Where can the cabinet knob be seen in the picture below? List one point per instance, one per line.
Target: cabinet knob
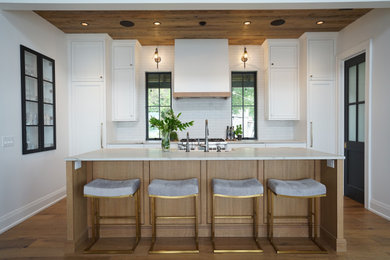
(101, 77)
(131, 64)
(272, 63)
(311, 76)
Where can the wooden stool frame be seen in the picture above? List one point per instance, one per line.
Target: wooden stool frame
(254, 217)
(95, 223)
(154, 220)
(311, 214)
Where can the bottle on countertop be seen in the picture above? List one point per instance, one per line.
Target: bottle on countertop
(227, 133)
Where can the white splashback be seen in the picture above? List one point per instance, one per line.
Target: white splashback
(216, 110)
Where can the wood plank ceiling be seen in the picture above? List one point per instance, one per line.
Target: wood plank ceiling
(220, 24)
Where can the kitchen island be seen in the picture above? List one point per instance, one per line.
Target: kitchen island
(240, 163)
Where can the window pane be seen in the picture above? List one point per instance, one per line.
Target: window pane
(352, 123)
(31, 113)
(361, 123)
(362, 80)
(237, 115)
(236, 80)
(236, 96)
(48, 114)
(49, 136)
(352, 84)
(31, 88)
(153, 98)
(249, 80)
(249, 122)
(165, 97)
(30, 64)
(47, 92)
(32, 137)
(153, 80)
(153, 112)
(249, 96)
(47, 70)
(165, 80)
(164, 110)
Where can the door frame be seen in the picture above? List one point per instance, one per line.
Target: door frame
(366, 47)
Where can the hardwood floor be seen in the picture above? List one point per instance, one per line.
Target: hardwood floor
(44, 235)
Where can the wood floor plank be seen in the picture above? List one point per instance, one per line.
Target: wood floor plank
(43, 236)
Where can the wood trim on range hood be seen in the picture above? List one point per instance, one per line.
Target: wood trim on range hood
(201, 94)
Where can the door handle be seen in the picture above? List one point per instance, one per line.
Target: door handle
(311, 134)
(101, 135)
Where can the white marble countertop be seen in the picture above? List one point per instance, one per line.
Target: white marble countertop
(156, 154)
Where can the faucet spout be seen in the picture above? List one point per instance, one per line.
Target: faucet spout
(206, 133)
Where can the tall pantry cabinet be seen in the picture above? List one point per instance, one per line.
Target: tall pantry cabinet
(89, 59)
(317, 76)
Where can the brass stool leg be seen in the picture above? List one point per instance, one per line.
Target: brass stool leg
(153, 220)
(196, 222)
(213, 222)
(137, 219)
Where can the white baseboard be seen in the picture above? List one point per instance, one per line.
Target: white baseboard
(380, 208)
(19, 215)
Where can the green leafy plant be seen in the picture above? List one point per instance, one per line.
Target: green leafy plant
(238, 130)
(169, 122)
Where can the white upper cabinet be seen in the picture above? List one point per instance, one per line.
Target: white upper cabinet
(87, 60)
(321, 59)
(281, 84)
(283, 56)
(124, 80)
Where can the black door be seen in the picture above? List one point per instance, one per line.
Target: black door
(354, 127)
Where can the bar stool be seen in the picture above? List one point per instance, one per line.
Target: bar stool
(237, 189)
(304, 189)
(173, 189)
(112, 189)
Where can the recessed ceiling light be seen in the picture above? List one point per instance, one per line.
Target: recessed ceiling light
(202, 23)
(84, 23)
(126, 23)
(247, 22)
(156, 23)
(320, 22)
(277, 22)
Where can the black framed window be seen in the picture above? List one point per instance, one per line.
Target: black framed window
(244, 103)
(38, 101)
(158, 99)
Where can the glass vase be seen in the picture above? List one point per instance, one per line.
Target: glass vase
(165, 141)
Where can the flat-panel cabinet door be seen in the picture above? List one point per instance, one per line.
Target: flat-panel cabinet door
(321, 59)
(322, 116)
(283, 57)
(123, 57)
(283, 95)
(87, 117)
(87, 61)
(123, 95)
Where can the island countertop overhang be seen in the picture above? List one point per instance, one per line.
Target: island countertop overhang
(154, 154)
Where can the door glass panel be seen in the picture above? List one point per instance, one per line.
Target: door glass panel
(48, 115)
(163, 111)
(31, 113)
(165, 97)
(32, 137)
(236, 80)
(30, 64)
(153, 97)
(362, 80)
(153, 112)
(31, 88)
(236, 116)
(249, 122)
(352, 123)
(47, 92)
(249, 96)
(352, 84)
(47, 70)
(49, 136)
(153, 80)
(361, 123)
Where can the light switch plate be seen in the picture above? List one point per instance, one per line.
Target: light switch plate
(330, 163)
(7, 141)
(77, 165)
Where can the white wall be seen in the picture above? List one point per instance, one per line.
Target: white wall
(29, 182)
(376, 26)
(216, 110)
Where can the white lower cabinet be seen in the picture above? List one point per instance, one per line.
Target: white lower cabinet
(87, 117)
(321, 117)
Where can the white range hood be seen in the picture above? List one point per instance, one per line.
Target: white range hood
(201, 68)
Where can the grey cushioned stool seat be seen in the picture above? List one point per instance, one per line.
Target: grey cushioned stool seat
(297, 188)
(173, 188)
(247, 187)
(111, 188)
